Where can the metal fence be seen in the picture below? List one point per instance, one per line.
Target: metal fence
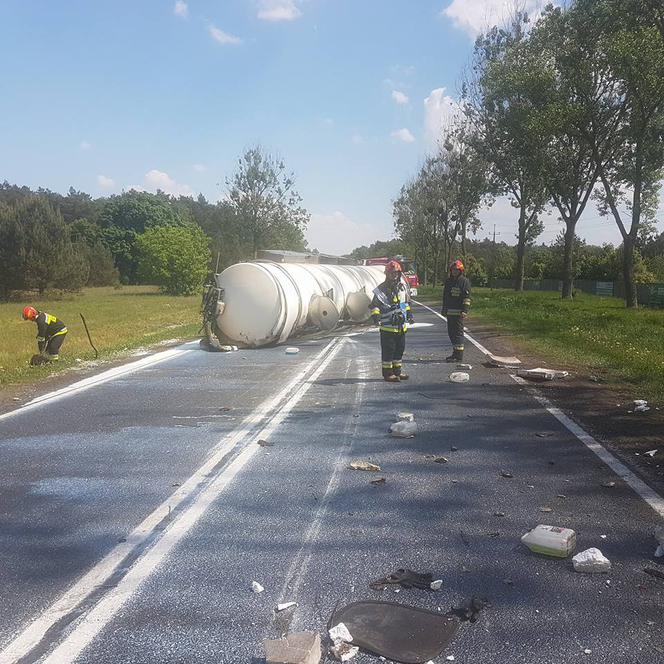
(649, 295)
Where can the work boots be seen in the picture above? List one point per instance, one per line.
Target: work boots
(456, 356)
(391, 378)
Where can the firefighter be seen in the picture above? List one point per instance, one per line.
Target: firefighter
(390, 310)
(456, 302)
(51, 333)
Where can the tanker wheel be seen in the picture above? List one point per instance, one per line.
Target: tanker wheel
(210, 341)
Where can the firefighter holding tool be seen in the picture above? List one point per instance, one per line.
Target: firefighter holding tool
(390, 310)
(51, 332)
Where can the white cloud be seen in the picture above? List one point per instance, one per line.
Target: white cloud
(105, 182)
(85, 146)
(439, 111)
(336, 233)
(403, 135)
(155, 179)
(200, 168)
(278, 10)
(223, 37)
(475, 16)
(181, 9)
(400, 97)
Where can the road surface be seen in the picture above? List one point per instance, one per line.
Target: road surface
(136, 510)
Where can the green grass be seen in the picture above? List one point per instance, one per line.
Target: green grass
(119, 320)
(591, 334)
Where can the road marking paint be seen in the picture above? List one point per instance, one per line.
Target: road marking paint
(298, 567)
(646, 492)
(30, 637)
(642, 489)
(98, 379)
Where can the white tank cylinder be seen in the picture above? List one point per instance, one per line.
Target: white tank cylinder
(266, 303)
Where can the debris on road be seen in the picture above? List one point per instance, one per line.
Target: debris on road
(440, 459)
(499, 513)
(541, 374)
(464, 367)
(546, 509)
(398, 632)
(406, 578)
(550, 540)
(506, 473)
(295, 648)
(608, 485)
(264, 443)
(544, 434)
(641, 406)
(659, 536)
(436, 585)
(285, 605)
(403, 429)
(454, 449)
(591, 561)
(651, 453)
(378, 481)
(292, 350)
(256, 587)
(340, 633)
(469, 610)
(459, 377)
(341, 639)
(654, 572)
(403, 416)
(364, 465)
(503, 362)
(344, 652)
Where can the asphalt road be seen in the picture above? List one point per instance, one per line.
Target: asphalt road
(134, 515)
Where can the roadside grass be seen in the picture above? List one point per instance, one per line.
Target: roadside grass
(119, 320)
(591, 334)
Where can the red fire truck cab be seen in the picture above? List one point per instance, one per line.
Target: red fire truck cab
(408, 266)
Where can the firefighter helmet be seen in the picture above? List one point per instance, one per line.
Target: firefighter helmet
(29, 313)
(393, 266)
(458, 264)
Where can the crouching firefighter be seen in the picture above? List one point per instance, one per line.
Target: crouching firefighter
(390, 310)
(51, 333)
(456, 303)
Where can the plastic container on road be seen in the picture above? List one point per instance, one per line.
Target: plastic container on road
(550, 541)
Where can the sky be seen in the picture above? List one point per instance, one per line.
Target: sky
(167, 94)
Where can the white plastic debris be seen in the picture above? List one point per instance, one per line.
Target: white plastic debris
(344, 652)
(465, 367)
(591, 561)
(285, 605)
(256, 587)
(436, 585)
(587, 651)
(503, 362)
(292, 350)
(228, 349)
(659, 536)
(541, 374)
(450, 658)
(459, 377)
(403, 416)
(550, 540)
(340, 633)
(403, 429)
(364, 465)
(651, 453)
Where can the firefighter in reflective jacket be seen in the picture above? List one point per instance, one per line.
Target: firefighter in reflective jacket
(456, 302)
(51, 333)
(390, 310)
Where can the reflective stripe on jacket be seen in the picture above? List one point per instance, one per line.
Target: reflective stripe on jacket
(456, 296)
(49, 326)
(390, 307)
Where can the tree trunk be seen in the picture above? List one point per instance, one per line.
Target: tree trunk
(568, 265)
(519, 270)
(463, 240)
(631, 300)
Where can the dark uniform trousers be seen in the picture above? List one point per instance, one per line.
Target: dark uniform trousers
(392, 346)
(455, 332)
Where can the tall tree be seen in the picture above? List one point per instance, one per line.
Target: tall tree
(12, 252)
(263, 196)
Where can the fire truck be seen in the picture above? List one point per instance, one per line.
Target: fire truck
(408, 266)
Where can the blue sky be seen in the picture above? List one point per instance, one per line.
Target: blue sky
(103, 96)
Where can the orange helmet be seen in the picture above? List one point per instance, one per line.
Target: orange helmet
(458, 265)
(29, 313)
(393, 266)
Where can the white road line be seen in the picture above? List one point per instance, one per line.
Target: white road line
(98, 379)
(642, 489)
(30, 637)
(473, 341)
(647, 493)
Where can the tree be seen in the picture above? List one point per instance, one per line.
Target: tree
(263, 196)
(12, 252)
(175, 258)
(501, 101)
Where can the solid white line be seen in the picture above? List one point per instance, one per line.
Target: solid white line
(642, 489)
(146, 564)
(98, 379)
(100, 573)
(473, 341)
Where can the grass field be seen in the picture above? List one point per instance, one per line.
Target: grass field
(119, 320)
(590, 333)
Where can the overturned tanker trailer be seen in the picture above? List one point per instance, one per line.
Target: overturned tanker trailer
(262, 303)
